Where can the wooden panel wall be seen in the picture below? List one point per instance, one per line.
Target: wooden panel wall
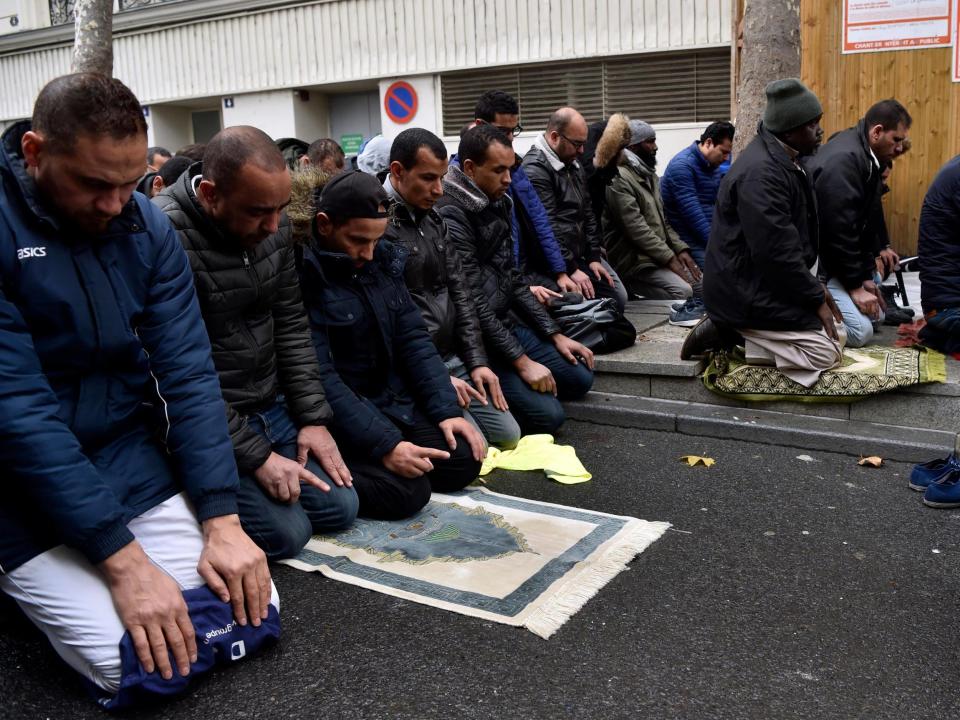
(848, 84)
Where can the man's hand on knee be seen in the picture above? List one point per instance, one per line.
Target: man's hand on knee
(235, 569)
(466, 392)
(866, 301)
(600, 273)
(458, 426)
(571, 350)
(535, 375)
(281, 478)
(829, 314)
(316, 440)
(152, 609)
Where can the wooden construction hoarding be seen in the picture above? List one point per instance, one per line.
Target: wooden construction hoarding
(847, 84)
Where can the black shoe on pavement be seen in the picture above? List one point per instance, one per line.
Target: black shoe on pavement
(896, 315)
(702, 338)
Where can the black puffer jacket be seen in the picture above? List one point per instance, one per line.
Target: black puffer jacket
(435, 277)
(566, 198)
(250, 300)
(763, 242)
(480, 230)
(846, 181)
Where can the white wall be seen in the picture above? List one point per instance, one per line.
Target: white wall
(169, 127)
(337, 41)
(272, 112)
(30, 14)
(281, 114)
(311, 118)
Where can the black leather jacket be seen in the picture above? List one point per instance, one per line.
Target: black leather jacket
(566, 198)
(847, 182)
(480, 230)
(435, 277)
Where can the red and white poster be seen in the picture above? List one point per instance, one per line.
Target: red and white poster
(874, 25)
(955, 28)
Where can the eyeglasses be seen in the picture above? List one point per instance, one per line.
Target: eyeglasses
(505, 130)
(577, 144)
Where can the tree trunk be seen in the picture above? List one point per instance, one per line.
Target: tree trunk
(770, 51)
(93, 43)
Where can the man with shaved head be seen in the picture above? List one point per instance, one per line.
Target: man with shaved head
(229, 213)
(553, 166)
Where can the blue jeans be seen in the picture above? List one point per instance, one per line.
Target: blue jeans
(282, 529)
(538, 412)
(859, 326)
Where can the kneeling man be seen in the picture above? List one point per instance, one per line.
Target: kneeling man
(120, 493)
(760, 278)
(396, 415)
(228, 212)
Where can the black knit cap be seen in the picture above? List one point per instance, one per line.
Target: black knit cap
(790, 104)
(353, 194)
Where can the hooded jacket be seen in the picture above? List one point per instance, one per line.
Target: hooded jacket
(763, 244)
(636, 231)
(94, 332)
(435, 277)
(689, 189)
(255, 319)
(564, 194)
(846, 181)
(480, 230)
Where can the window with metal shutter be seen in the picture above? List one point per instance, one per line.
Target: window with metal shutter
(689, 86)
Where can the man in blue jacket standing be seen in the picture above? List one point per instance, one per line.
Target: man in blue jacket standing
(689, 189)
(120, 492)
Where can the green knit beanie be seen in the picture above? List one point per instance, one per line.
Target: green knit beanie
(789, 105)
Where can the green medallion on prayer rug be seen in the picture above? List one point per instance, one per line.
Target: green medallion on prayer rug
(864, 371)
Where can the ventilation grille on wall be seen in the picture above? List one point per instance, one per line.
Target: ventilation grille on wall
(663, 87)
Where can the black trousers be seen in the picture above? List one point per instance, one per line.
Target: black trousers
(387, 496)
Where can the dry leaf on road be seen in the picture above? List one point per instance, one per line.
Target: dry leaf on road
(692, 460)
(872, 461)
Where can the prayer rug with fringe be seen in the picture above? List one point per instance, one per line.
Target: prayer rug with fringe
(513, 561)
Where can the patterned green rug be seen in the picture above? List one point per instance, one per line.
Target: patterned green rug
(865, 371)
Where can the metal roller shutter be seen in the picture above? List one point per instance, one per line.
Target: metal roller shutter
(662, 87)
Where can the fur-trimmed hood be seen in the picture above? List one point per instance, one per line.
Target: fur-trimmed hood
(305, 185)
(615, 138)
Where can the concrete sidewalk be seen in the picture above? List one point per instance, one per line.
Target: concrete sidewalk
(647, 386)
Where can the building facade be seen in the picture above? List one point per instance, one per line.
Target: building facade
(330, 68)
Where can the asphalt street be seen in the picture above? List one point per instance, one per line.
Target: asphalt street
(787, 589)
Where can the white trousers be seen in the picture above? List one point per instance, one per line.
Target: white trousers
(69, 600)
